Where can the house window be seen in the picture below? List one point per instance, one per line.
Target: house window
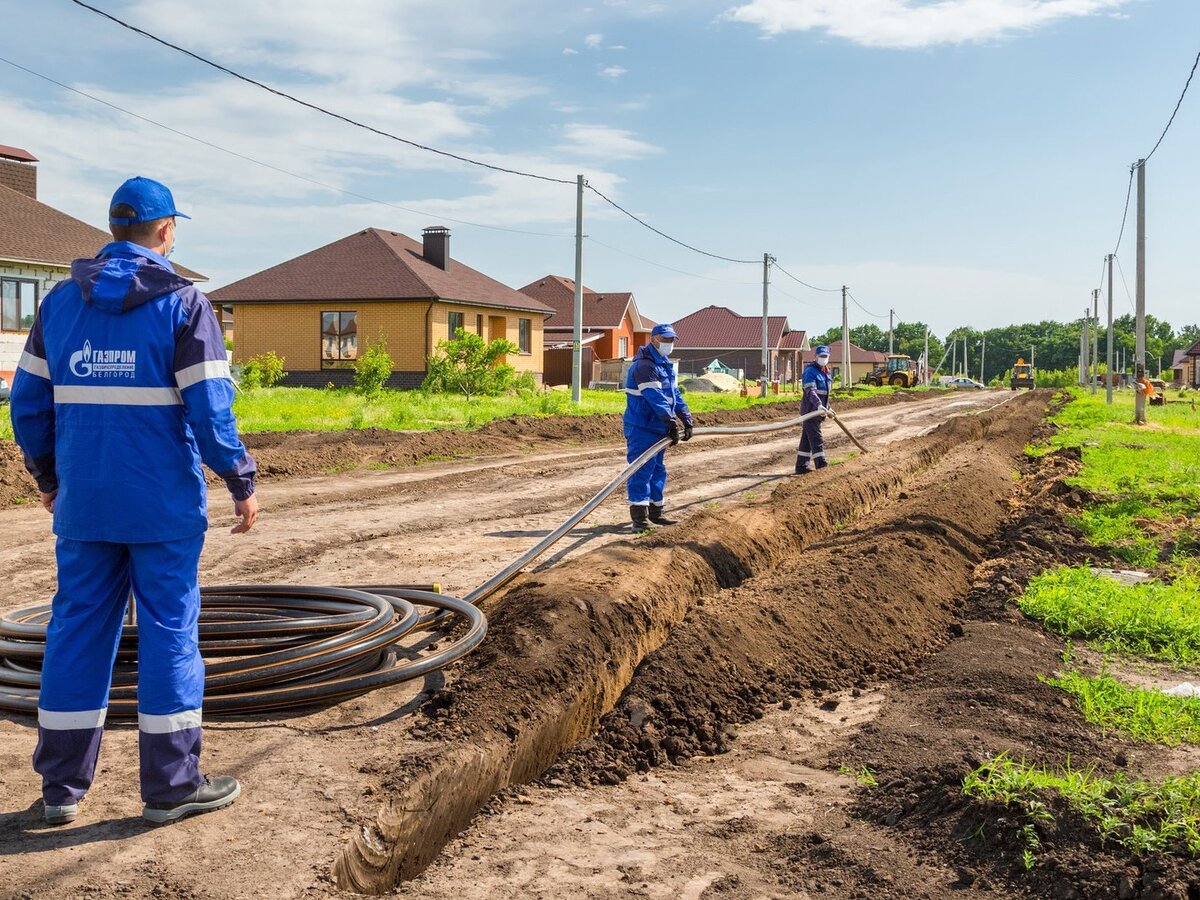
(524, 339)
(479, 324)
(454, 321)
(339, 339)
(622, 347)
(18, 304)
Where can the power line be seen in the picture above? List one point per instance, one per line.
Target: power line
(1125, 214)
(313, 106)
(776, 289)
(863, 308)
(663, 266)
(646, 224)
(267, 165)
(1178, 103)
(1128, 296)
(805, 283)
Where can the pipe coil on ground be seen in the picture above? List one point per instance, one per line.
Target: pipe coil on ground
(273, 647)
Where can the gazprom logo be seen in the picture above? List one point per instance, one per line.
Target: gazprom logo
(88, 363)
(81, 361)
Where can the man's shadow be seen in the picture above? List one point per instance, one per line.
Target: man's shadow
(25, 831)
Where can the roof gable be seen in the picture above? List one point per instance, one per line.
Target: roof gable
(373, 264)
(720, 328)
(857, 355)
(599, 310)
(31, 231)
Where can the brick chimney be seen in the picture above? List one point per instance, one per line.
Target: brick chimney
(436, 246)
(18, 170)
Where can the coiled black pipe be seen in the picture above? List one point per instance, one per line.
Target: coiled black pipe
(275, 647)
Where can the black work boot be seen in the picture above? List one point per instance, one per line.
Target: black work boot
(216, 792)
(639, 516)
(657, 517)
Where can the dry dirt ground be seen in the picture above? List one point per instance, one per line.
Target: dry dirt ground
(749, 822)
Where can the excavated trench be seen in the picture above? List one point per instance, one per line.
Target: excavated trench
(653, 649)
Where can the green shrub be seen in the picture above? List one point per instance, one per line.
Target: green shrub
(372, 369)
(469, 366)
(264, 370)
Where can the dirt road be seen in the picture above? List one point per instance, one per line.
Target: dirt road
(311, 779)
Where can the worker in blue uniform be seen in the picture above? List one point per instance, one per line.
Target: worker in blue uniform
(122, 390)
(653, 403)
(815, 384)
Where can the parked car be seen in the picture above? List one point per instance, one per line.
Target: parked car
(3, 390)
(963, 382)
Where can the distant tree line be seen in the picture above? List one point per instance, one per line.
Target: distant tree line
(1055, 345)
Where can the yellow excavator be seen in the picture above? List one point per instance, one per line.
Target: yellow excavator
(900, 371)
(1022, 375)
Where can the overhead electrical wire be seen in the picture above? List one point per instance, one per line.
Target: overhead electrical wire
(316, 107)
(811, 287)
(272, 167)
(1178, 103)
(387, 134)
(1124, 284)
(863, 308)
(651, 262)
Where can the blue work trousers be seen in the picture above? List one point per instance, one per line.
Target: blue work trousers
(812, 446)
(646, 485)
(94, 581)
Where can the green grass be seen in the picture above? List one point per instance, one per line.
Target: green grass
(863, 775)
(1157, 619)
(1142, 715)
(1141, 817)
(1145, 479)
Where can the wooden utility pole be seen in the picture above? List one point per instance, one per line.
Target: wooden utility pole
(577, 330)
(1108, 354)
(845, 340)
(1139, 361)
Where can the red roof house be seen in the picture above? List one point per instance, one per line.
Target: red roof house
(717, 333)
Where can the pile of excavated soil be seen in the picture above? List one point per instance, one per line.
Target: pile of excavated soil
(305, 453)
(563, 647)
(869, 602)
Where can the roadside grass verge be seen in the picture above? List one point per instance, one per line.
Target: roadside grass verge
(1156, 619)
(1140, 816)
(1146, 716)
(1145, 479)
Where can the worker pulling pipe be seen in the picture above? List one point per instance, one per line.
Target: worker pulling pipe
(287, 646)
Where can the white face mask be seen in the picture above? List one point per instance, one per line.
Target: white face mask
(822, 360)
(666, 347)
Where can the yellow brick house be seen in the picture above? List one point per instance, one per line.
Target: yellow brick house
(320, 309)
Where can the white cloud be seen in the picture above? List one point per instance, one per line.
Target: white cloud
(618, 47)
(613, 72)
(599, 142)
(592, 41)
(570, 51)
(908, 24)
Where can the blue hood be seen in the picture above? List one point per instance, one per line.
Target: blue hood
(124, 276)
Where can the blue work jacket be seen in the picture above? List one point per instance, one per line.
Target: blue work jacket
(815, 384)
(122, 390)
(652, 398)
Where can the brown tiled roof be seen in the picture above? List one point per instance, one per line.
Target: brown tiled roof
(599, 310)
(16, 153)
(857, 355)
(31, 231)
(793, 340)
(1179, 359)
(373, 264)
(720, 328)
(1194, 350)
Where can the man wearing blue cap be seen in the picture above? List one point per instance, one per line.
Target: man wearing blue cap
(122, 391)
(815, 384)
(652, 404)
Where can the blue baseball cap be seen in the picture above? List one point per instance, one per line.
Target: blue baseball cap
(822, 350)
(663, 331)
(149, 200)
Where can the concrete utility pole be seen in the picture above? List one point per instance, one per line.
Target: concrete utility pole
(925, 380)
(577, 331)
(982, 357)
(891, 331)
(766, 353)
(1139, 397)
(845, 340)
(954, 355)
(1083, 347)
(1095, 338)
(1108, 353)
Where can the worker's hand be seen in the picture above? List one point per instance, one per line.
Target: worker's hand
(687, 431)
(48, 500)
(673, 432)
(247, 511)
(829, 412)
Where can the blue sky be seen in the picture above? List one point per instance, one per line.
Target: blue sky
(963, 162)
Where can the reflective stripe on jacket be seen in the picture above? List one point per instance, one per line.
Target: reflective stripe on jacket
(652, 399)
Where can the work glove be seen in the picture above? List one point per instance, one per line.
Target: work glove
(687, 431)
(673, 432)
